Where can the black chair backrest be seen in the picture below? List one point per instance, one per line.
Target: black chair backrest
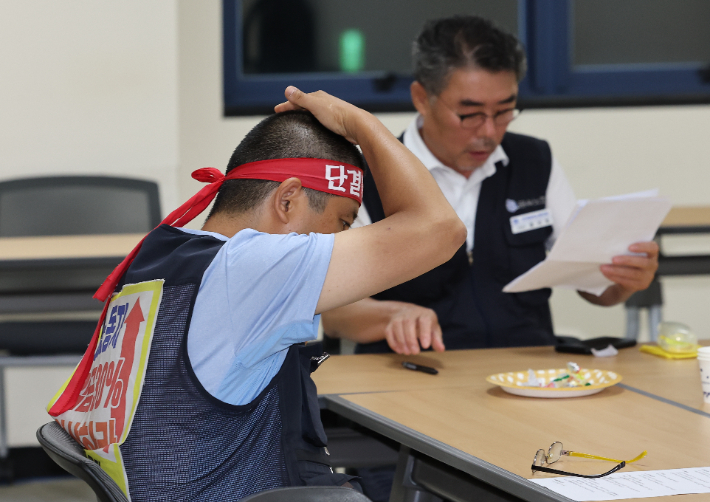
(69, 455)
(72, 205)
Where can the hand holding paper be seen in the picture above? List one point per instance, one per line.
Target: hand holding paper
(597, 231)
(635, 271)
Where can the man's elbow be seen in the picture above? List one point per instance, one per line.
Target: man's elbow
(459, 232)
(331, 323)
(453, 235)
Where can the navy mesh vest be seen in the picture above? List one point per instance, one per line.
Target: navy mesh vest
(185, 444)
(467, 296)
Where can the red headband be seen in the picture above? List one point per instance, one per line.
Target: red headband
(327, 176)
(323, 175)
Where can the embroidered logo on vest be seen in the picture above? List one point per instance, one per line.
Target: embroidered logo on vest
(516, 205)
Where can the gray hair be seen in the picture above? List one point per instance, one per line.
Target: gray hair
(463, 41)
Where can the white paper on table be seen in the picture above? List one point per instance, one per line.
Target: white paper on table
(627, 485)
(596, 231)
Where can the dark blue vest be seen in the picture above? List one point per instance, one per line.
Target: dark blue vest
(185, 444)
(466, 292)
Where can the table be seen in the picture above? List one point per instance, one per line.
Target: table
(680, 220)
(686, 219)
(53, 274)
(463, 438)
(72, 263)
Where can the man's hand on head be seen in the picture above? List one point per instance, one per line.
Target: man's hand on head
(340, 117)
(630, 273)
(411, 327)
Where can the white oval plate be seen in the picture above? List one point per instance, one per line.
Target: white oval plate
(513, 382)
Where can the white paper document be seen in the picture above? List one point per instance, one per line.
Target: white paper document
(596, 231)
(629, 485)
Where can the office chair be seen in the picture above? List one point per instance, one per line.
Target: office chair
(50, 206)
(77, 205)
(650, 299)
(69, 455)
(64, 205)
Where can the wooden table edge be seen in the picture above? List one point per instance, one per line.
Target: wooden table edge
(464, 462)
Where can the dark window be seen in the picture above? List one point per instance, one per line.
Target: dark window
(640, 32)
(343, 36)
(580, 52)
(358, 50)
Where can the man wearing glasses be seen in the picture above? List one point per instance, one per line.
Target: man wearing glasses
(466, 87)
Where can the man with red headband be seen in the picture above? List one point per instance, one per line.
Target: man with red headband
(197, 382)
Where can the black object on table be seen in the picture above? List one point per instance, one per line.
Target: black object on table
(574, 345)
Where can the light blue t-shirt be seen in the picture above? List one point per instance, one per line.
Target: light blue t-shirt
(257, 298)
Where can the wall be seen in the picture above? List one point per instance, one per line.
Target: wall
(86, 88)
(89, 87)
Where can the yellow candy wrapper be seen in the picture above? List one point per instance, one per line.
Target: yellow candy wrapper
(658, 351)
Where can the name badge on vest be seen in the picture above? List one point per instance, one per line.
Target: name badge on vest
(530, 221)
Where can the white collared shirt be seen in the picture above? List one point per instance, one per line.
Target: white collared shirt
(462, 193)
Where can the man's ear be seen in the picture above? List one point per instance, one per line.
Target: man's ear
(287, 197)
(420, 98)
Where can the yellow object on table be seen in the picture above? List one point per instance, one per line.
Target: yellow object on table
(658, 351)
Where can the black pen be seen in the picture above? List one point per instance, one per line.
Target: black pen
(419, 367)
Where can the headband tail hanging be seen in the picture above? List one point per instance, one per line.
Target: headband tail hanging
(181, 216)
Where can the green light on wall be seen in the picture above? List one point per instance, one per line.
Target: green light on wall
(352, 51)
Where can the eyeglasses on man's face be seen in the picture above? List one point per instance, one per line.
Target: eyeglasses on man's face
(556, 452)
(476, 120)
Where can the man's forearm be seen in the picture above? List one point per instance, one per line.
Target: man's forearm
(408, 190)
(630, 273)
(613, 295)
(362, 322)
